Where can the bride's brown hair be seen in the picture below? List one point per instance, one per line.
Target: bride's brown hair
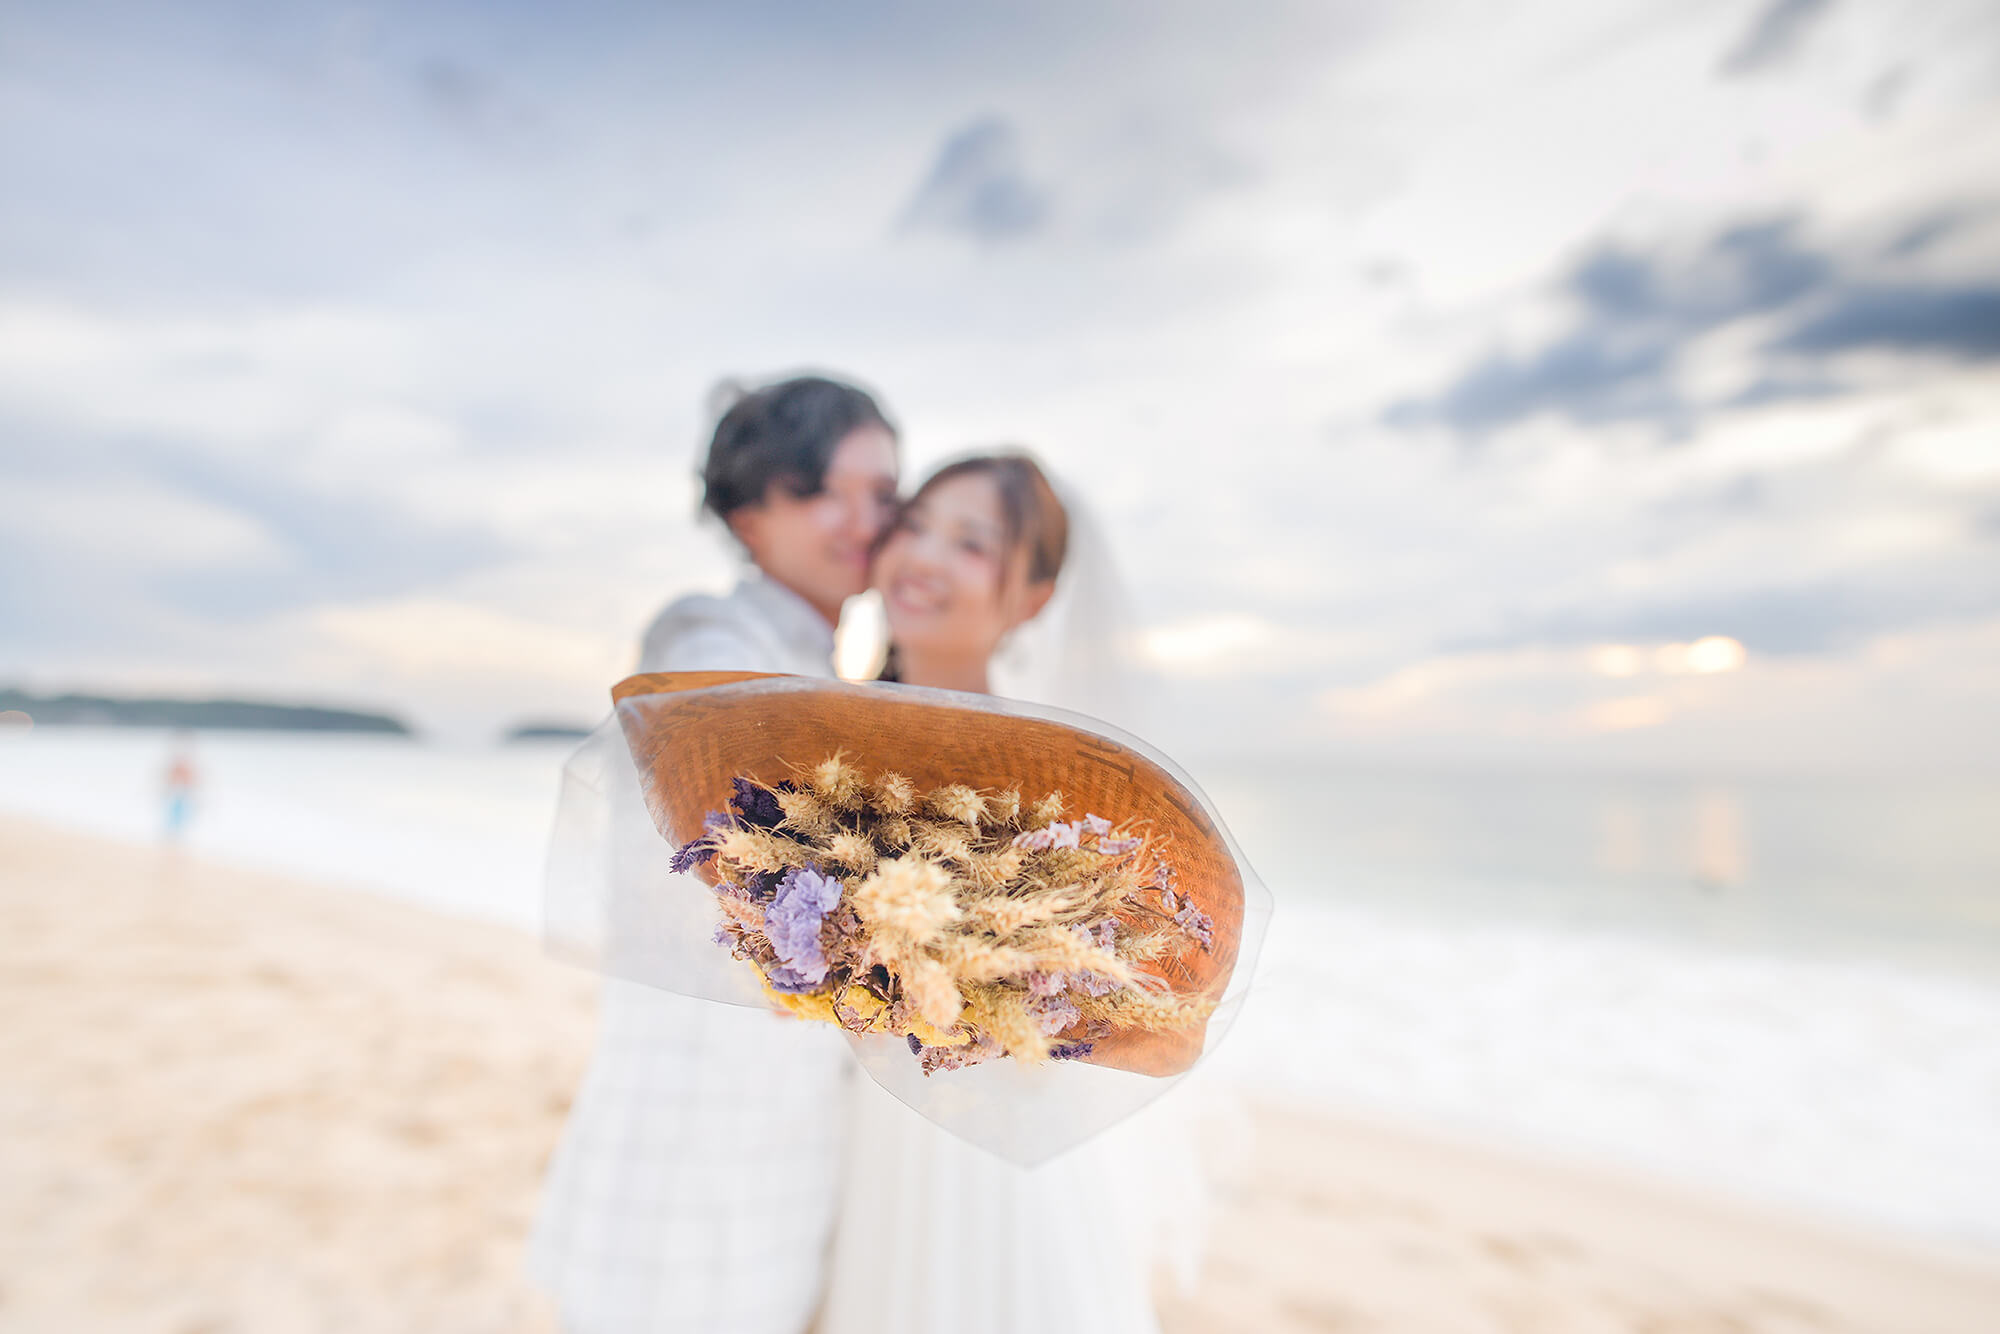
(1035, 518)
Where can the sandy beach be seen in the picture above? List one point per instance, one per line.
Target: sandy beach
(234, 1101)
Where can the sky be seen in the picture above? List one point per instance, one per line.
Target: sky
(1523, 384)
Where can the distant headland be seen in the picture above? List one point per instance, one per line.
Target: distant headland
(217, 714)
(539, 730)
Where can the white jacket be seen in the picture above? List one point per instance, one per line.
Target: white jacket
(695, 1185)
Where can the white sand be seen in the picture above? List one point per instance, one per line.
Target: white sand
(236, 1102)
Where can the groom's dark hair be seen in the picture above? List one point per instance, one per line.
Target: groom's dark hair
(781, 435)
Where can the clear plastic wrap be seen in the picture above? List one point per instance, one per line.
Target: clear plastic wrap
(642, 785)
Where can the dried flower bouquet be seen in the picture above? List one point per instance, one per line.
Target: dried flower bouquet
(972, 923)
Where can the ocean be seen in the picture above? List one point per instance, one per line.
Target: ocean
(1787, 990)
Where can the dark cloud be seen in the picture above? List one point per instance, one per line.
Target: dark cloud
(1774, 35)
(1786, 387)
(472, 101)
(976, 187)
(1587, 377)
(1928, 230)
(1637, 314)
(1962, 322)
(1821, 616)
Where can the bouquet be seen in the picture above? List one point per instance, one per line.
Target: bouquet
(969, 922)
(1039, 905)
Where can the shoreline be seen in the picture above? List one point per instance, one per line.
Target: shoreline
(239, 1100)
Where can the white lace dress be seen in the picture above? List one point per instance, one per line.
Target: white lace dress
(696, 1182)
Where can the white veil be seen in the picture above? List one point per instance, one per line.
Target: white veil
(1080, 652)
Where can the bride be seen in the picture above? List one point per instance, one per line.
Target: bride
(934, 1234)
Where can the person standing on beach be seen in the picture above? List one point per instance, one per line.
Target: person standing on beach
(177, 789)
(643, 1225)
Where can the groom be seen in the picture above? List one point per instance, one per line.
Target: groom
(803, 474)
(695, 1185)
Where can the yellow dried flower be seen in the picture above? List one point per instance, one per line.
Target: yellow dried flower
(1005, 915)
(1118, 878)
(1046, 811)
(893, 794)
(1003, 808)
(996, 870)
(863, 1008)
(760, 850)
(943, 843)
(744, 913)
(907, 900)
(932, 1036)
(1156, 1012)
(1061, 950)
(1150, 946)
(957, 802)
(805, 811)
(1003, 1015)
(851, 850)
(930, 988)
(972, 960)
(807, 1005)
(838, 782)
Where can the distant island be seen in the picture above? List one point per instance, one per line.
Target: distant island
(214, 714)
(545, 731)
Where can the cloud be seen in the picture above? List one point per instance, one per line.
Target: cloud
(1636, 313)
(426, 636)
(1774, 35)
(1241, 644)
(977, 188)
(1817, 616)
(1930, 229)
(1637, 316)
(150, 520)
(1962, 322)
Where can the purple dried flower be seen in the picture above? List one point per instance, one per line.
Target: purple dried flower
(757, 805)
(1056, 1014)
(957, 1058)
(1118, 847)
(1196, 923)
(1096, 824)
(1043, 985)
(793, 981)
(792, 922)
(698, 850)
(1093, 984)
(691, 854)
(1071, 1051)
(916, 1045)
(1107, 934)
(761, 885)
(1062, 834)
(1168, 901)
